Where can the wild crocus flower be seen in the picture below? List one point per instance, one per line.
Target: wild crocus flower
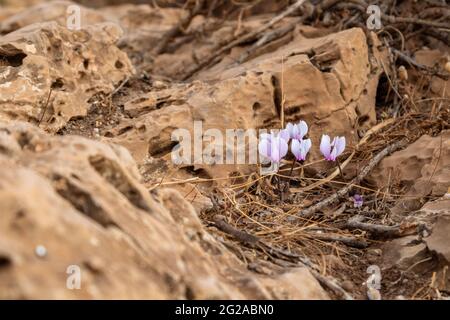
(300, 148)
(273, 146)
(332, 150)
(297, 131)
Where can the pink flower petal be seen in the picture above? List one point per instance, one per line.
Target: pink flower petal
(296, 148)
(283, 147)
(307, 145)
(325, 146)
(264, 148)
(284, 134)
(290, 129)
(339, 146)
(302, 128)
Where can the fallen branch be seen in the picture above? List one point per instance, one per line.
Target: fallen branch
(414, 63)
(393, 19)
(241, 236)
(382, 231)
(441, 36)
(362, 6)
(310, 211)
(254, 242)
(348, 241)
(162, 45)
(331, 284)
(245, 38)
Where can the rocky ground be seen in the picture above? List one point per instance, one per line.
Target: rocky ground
(87, 178)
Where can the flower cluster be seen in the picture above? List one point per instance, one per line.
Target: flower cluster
(275, 146)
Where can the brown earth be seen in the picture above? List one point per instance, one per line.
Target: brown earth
(87, 119)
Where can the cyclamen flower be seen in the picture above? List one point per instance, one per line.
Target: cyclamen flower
(332, 150)
(297, 131)
(274, 146)
(300, 148)
(284, 133)
(357, 201)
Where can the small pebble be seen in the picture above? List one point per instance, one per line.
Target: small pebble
(376, 252)
(159, 84)
(447, 66)
(96, 133)
(402, 73)
(40, 251)
(348, 285)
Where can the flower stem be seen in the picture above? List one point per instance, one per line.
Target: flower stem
(340, 169)
(292, 167)
(279, 188)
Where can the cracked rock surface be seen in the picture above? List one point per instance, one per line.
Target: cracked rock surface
(126, 238)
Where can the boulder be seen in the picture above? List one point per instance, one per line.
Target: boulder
(74, 209)
(52, 11)
(404, 252)
(423, 168)
(329, 81)
(49, 74)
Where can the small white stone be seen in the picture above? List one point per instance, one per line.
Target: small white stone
(159, 84)
(447, 66)
(30, 48)
(40, 251)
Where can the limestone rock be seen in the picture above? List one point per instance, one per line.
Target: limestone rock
(423, 168)
(403, 252)
(439, 240)
(56, 11)
(49, 63)
(81, 202)
(143, 25)
(437, 216)
(326, 81)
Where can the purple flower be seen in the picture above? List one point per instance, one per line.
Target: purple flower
(297, 131)
(273, 146)
(300, 148)
(332, 150)
(357, 201)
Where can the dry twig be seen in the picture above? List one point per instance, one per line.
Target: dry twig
(309, 212)
(382, 231)
(255, 242)
(162, 45)
(46, 106)
(245, 38)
